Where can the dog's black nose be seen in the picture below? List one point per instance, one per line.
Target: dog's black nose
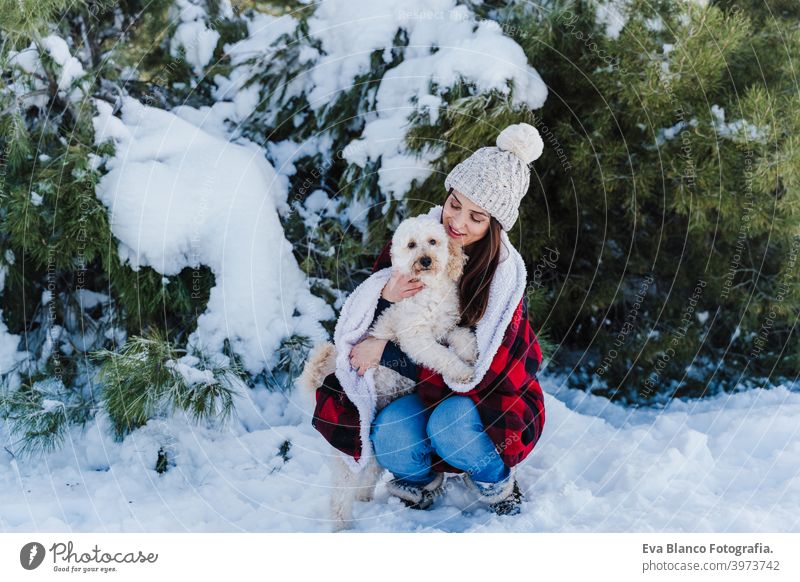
(425, 262)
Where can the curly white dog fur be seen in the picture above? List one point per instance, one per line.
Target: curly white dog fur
(419, 325)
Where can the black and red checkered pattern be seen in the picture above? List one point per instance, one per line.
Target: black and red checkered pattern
(509, 398)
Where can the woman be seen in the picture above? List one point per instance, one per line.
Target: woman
(486, 427)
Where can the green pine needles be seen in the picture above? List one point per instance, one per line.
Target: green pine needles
(39, 414)
(148, 377)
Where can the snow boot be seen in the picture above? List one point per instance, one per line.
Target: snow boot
(504, 497)
(417, 496)
(511, 505)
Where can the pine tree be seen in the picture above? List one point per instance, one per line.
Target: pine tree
(148, 378)
(661, 218)
(64, 291)
(659, 230)
(338, 213)
(669, 188)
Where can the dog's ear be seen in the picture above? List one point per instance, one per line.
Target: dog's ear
(456, 259)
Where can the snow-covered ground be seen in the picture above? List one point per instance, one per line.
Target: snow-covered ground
(184, 189)
(725, 464)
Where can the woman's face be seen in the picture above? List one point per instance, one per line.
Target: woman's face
(464, 220)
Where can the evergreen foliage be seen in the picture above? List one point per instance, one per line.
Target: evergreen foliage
(40, 414)
(660, 230)
(65, 290)
(670, 154)
(146, 378)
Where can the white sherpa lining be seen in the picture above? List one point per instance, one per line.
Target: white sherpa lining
(357, 314)
(354, 321)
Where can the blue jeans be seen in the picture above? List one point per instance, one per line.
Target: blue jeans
(405, 434)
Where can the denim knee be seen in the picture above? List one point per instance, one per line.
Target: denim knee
(454, 425)
(457, 434)
(400, 440)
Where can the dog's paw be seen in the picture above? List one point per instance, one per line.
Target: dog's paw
(456, 379)
(465, 347)
(459, 374)
(470, 353)
(466, 356)
(365, 496)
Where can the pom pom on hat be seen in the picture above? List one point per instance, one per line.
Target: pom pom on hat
(522, 140)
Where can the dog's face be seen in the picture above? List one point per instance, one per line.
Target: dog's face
(421, 247)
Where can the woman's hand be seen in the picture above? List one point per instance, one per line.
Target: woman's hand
(366, 354)
(401, 285)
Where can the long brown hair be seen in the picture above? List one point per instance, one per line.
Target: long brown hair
(473, 288)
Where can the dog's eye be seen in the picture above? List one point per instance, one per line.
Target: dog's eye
(433, 242)
(412, 244)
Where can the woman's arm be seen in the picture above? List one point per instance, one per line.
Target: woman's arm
(392, 356)
(371, 352)
(396, 359)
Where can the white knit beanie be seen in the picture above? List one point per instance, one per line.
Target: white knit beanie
(496, 178)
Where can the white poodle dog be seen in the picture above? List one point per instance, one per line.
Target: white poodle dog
(420, 325)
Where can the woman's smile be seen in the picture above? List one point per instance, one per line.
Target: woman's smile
(464, 220)
(453, 233)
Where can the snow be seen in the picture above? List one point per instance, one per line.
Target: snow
(29, 76)
(193, 35)
(665, 134)
(283, 153)
(71, 67)
(51, 405)
(180, 197)
(612, 15)
(234, 100)
(468, 51)
(189, 372)
(739, 130)
(724, 464)
(9, 355)
(263, 30)
(90, 299)
(314, 208)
